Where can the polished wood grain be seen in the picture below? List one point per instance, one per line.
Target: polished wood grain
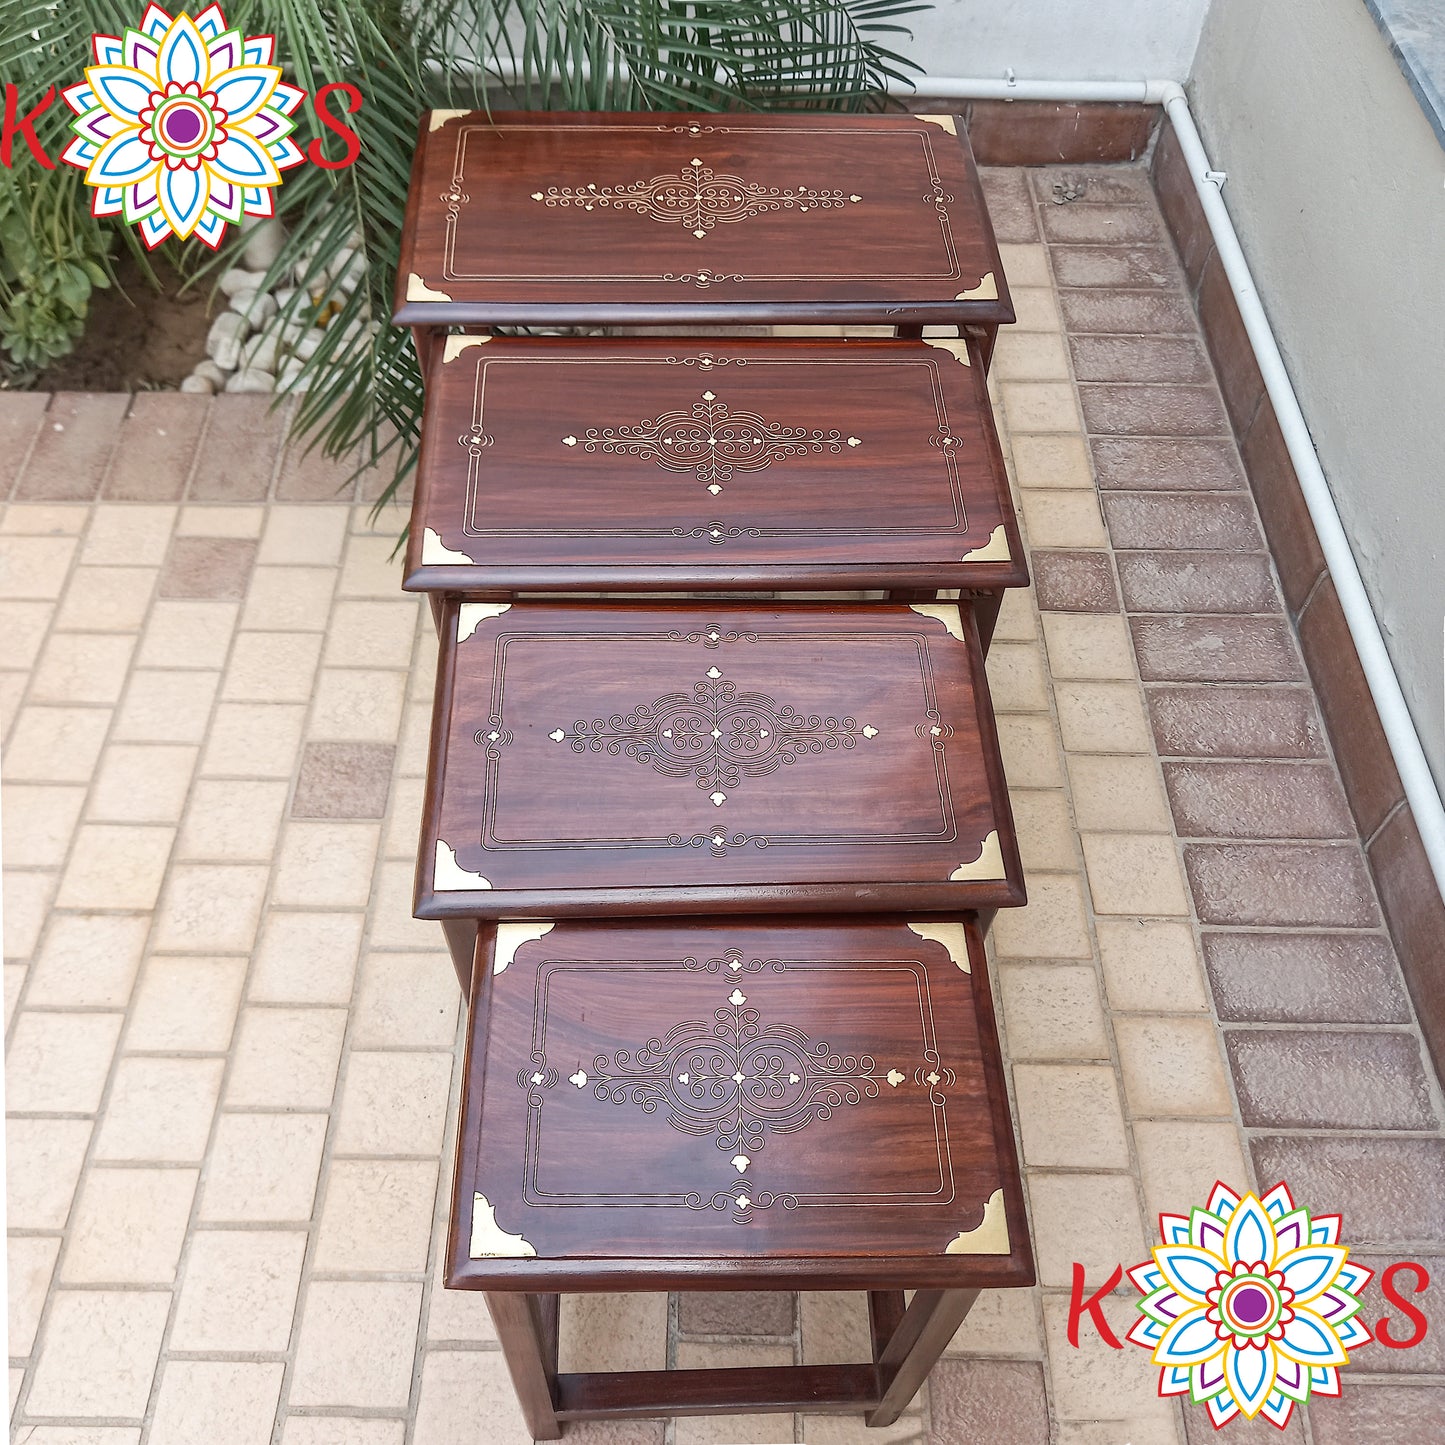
(557, 218)
(727, 465)
(735, 1103)
(622, 758)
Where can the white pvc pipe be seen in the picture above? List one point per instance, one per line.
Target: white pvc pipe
(1415, 775)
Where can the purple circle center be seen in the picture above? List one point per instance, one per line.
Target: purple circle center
(1249, 1305)
(182, 126)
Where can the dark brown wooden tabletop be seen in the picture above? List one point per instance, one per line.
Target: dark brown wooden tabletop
(682, 465)
(737, 1101)
(553, 217)
(612, 758)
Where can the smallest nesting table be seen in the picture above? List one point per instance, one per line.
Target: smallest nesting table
(734, 1104)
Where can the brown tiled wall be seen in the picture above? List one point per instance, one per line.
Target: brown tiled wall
(1413, 909)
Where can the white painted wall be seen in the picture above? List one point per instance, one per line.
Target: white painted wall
(1058, 39)
(1337, 188)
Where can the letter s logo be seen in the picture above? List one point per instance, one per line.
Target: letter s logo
(314, 152)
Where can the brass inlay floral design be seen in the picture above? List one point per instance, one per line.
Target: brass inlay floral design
(736, 1079)
(697, 198)
(711, 440)
(715, 734)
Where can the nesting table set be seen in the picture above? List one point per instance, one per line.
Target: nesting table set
(715, 850)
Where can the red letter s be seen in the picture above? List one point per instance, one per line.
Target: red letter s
(1387, 1288)
(23, 125)
(314, 153)
(1078, 1304)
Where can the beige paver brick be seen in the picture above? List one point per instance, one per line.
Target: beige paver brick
(57, 1063)
(1118, 793)
(834, 1327)
(115, 866)
(286, 1058)
(392, 925)
(37, 822)
(128, 536)
(55, 744)
(415, 742)
(12, 694)
(1030, 750)
(1030, 356)
(357, 705)
(372, 634)
(1001, 1322)
(239, 1291)
(272, 667)
(254, 740)
(142, 783)
(43, 1162)
(210, 906)
(99, 1354)
(1016, 678)
(1084, 644)
(372, 568)
(326, 865)
(1172, 1067)
(30, 1263)
(1180, 1161)
(289, 599)
(128, 1227)
(1134, 873)
(1040, 406)
(1052, 1011)
(82, 667)
(306, 957)
(613, 1332)
(1151, 965)
(263, 1168)
(456, 1315)
(357, 1342)
(458, 1389)
(23, 625)
(188, 635)
(1035, 309)
(166, 707)
(40, 519)
(1102, 717)
(1026, 265)
(186, 1005)
(303, 536)
(1054, 924)
(394, 1103)
(1093, 1219)
(341, 1430)
(106, 599)
(159, 1110)
(1045, 830)
(399, 836)
(27, 899)
(220, 521)
(1095, 1382)
(232, 821)
(220, 1402)
(377, 1216)
(1069, 1116)
(34, 567)
(1063, 518)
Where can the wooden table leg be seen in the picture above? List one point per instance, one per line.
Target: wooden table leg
(986, 607)
(461, 935)
(523, 1334)
(928, 1324)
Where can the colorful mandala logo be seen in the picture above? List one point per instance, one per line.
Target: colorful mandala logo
(184, 126)
(1249, 1305)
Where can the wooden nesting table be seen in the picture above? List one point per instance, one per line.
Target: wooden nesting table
(729, 1104)
(601, 759)
(556, 465)
(563, 219)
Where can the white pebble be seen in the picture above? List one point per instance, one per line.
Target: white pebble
(252, 379)
(223, 341)
(264, 239)
(256, 306)
(292, 377)
(236, 280)
(260, 353)
(207, 370)
(200, 384)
